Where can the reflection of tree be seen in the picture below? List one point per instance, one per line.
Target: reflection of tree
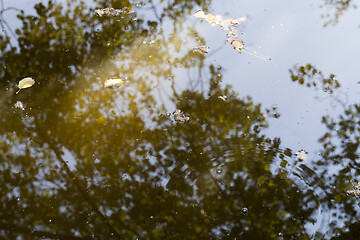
(83, 162)
(311, 77)
(339, 6)
(338, 167)
(340, 151)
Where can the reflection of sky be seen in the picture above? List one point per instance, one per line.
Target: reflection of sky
(289, 33)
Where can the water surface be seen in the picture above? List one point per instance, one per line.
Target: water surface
(261, 144)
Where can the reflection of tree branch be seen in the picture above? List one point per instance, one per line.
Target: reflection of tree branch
(340, 7)
(41, 234)
(3, 22)
(159, 92)
(155, 12)
(85, 194)
(9, 8)
(338, 100)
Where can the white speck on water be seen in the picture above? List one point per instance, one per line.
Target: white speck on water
(20, 105)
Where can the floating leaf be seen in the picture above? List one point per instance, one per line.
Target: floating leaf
(238, 45)
(113, 82)
(25, 83)
(202, 49)
(112, 12)
(302, 154)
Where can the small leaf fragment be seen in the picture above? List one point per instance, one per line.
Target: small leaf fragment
(25, 83)
(20, 105)
(180, 116)
(202, 49)
(222, 97)
(301, 154)
(353, 189)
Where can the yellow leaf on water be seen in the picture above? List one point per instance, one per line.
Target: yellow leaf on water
(25, 83)
(113, 82)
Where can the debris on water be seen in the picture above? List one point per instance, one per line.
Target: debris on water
(244, 210)
(112, 12)
(238, 45)
(202, 49)
(217, 20)
(223, 97)
(20, 105)
(25, 83)
(355, 189)
(354, 192)
(232, 35)
(180, 116)
(113, 82)
(301, 154)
